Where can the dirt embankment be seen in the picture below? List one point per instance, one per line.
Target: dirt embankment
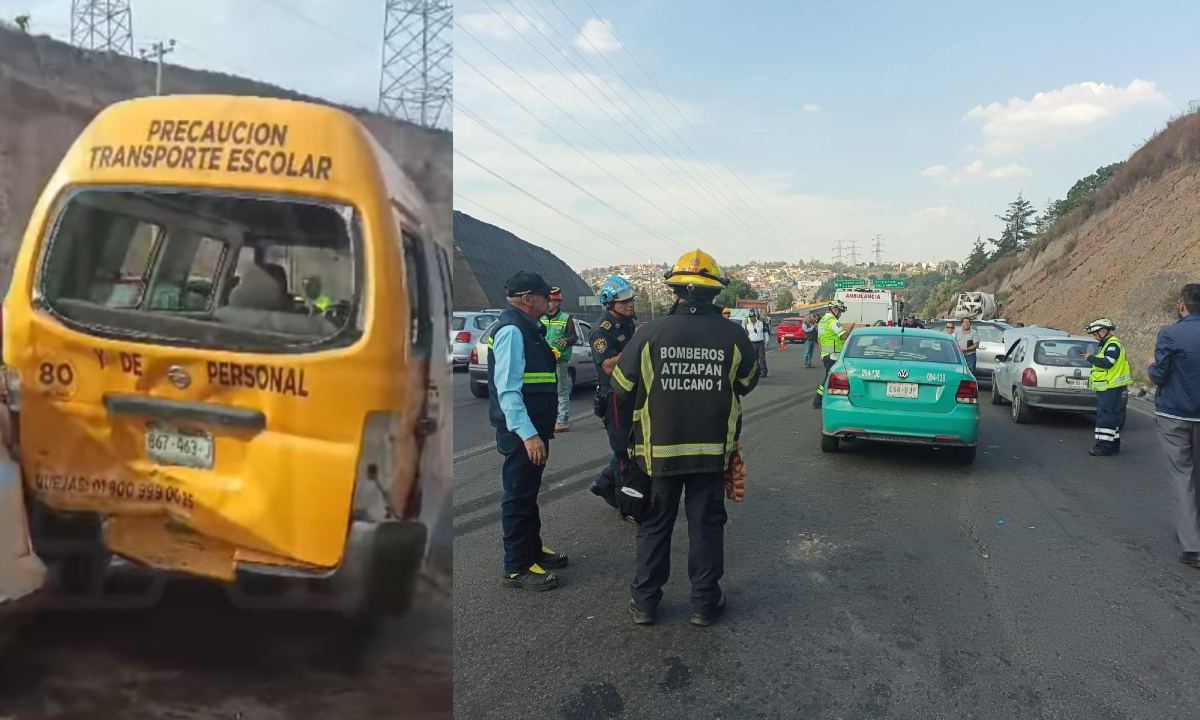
(1126, 262)
(49, 91)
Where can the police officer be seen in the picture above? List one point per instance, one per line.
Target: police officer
(684, 374)
(523, 402)
(1110, 376)
(608, 339)
(561, 335)
(832, 336)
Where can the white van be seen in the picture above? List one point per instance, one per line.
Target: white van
(867, 306)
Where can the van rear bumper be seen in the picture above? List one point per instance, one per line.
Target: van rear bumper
(378, 574)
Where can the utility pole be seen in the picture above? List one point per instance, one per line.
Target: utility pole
(158, 50)
(416, 78)
(104, 25)
(838, 247)
(878, 249)
(853, 253)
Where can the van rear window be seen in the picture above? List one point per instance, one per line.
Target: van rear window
(201, 269)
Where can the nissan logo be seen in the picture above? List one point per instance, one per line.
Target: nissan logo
(179, 377)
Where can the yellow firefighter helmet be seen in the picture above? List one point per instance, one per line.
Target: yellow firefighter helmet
(697, 268)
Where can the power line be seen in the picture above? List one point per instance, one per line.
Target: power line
(704, 140)
(570, 144)
(658, 156)
(502, 135)
(550, 207)
(324, 27)
(651, 108)
(516, 223)
(565, 113)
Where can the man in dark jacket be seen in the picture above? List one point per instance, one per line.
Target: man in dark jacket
(683, 375)
(1176, 373)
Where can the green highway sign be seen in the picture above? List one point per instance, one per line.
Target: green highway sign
(849, 283)
(890, 283)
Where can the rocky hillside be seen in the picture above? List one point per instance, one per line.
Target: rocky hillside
(1125, 255)
(49, 91)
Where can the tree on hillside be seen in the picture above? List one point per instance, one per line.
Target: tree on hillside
(23, 23)
(1018, 228)
(785, 300)
(977, 260)
(737, 289)
(1079, 194)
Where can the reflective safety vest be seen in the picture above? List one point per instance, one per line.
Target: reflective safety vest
(831, 341)
(1117, 376)
(539, 385)
(556, 329)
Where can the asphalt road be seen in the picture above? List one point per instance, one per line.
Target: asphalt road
(194, 657)
(876, 582)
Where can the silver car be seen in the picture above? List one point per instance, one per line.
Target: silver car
(991, 344)
(1046, 370)
(465, 330)
(581, 367)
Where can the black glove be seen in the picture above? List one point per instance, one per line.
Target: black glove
(633, 497)
(600, 403)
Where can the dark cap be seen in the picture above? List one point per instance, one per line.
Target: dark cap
(524, 283)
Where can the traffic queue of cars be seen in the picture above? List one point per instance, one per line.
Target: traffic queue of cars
(913, 386)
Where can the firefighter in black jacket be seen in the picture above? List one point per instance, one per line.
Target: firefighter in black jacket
(683, 375)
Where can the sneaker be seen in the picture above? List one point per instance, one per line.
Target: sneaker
(561, 427)
(641, 617)
(535, 578)
(704, 619)
(552, 560)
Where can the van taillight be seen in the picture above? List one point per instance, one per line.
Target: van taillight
(839, 384)
(968, 392)
(1029, 378)
(462, 337)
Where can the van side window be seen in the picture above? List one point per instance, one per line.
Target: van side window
(420, 312)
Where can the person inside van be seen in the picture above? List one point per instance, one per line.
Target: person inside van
(316, 302)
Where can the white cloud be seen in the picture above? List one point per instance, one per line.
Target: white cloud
(597, 37)
(811, 108)
(941, 212)
(974, 170)
(499, 25)
(1007, 171)
(1054, 114)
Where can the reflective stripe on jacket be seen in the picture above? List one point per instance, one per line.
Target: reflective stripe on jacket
(1119, 375)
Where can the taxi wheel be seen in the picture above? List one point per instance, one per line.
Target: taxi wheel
(965, 455)
(479, 390)
(829, 443)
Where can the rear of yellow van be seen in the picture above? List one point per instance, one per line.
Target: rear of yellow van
(206, 342)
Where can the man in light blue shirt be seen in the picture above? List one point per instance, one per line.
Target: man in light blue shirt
(523, 408)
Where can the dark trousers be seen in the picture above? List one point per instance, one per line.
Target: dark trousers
(1108, 417)
(827, 361)
(705, 506)
(617, 426)
(520, 520)
(760, 349)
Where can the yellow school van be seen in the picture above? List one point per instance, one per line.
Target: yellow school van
(224, 348)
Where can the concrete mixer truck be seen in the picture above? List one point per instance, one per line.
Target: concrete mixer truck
(977, 306)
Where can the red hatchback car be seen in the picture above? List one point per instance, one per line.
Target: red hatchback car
(790, 330)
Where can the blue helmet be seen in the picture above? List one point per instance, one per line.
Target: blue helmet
(615, 288)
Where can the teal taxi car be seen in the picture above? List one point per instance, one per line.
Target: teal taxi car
(901, 385)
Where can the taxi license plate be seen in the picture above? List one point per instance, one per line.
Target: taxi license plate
(1080, 383)
(171, 447)
(902, 390)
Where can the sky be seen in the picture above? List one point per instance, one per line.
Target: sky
(327, 48)
(613, 131)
